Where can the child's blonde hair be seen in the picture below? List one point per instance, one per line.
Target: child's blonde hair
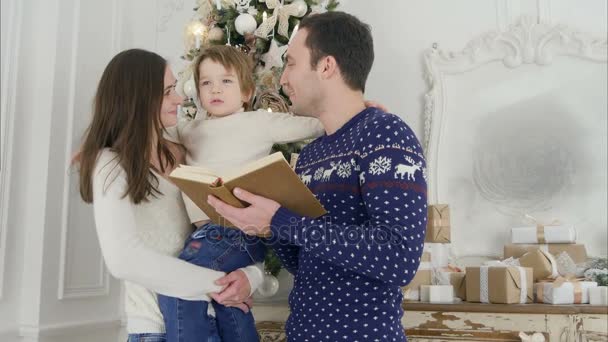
(233, 60)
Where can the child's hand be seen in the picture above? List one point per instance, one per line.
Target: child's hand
(376, 104)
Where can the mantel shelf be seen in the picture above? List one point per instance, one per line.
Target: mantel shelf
(507, 308)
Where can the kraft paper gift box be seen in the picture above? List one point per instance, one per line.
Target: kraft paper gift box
(456, 279)
(499, 284)
(577, 252)
(563, 291)
(598, 295)
(411, 291)
(543, 234)
(438, 224)
(542, 263)
(437, 293)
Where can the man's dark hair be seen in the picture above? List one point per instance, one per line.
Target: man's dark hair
(344, 37)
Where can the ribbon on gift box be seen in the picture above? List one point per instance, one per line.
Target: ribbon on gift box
(549, 256)
(441, 276)
(540, 228)
(484, 294)
(559, 281)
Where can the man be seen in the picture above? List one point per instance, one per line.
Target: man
(368, 172)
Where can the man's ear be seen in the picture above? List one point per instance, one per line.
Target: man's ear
(328, 67)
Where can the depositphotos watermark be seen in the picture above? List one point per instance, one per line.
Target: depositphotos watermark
(322, 232)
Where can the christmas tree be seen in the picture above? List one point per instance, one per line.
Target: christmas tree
(261, 29)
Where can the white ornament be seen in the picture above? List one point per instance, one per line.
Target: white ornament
(242, 5)
(190, 88)
(274, 56)
(245, 23)
(269, 287)
(253, 11)
(301, 7)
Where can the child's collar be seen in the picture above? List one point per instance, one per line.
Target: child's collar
(211, 117)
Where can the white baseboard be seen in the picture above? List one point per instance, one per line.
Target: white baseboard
(93, 331)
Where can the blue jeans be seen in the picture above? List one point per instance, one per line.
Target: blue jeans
(221, 249)
(147, 337)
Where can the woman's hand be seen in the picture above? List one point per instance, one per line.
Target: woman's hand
(236, 291)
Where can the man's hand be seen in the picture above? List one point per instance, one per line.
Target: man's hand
(253, 220)
(236, 289)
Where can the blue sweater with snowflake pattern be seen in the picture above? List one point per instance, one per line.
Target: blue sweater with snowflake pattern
(349, 265)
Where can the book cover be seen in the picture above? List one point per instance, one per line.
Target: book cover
(269, 177)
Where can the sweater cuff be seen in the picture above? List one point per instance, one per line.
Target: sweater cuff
(255, 275)
(285, 226)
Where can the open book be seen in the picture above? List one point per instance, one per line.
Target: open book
(270, 177)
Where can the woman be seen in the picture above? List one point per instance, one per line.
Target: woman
(139, 214)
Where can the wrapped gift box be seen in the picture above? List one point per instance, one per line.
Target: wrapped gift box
(456, 279)
(542, 263)
(577, 252)
(598, 295)
(566, 292)
(543, 234)
(423, 277)
(458, 282)
(437, 293)
(438, 224)
(499, 284)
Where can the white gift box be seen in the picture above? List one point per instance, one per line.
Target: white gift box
(598, 295)
(437, 293)
(411, 294)
(566, 293)
(543, 234)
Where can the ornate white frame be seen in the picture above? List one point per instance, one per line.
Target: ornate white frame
(525, 42)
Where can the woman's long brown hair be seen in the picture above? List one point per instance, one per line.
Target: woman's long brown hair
(126, 119)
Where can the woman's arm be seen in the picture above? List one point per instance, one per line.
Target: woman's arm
(125, 254)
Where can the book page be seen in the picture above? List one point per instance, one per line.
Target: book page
(258, 164)
(193, 174)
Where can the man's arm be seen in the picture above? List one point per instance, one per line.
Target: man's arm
(288, 254)
(388, 246)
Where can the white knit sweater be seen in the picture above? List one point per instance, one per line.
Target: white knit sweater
(140, 244)
(227, 143)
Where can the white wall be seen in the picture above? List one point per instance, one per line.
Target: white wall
(52, 282)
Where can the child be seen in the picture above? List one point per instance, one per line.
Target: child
(229, 137)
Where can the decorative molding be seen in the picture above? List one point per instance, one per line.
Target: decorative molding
(544, 11)
(165, 13)
(504, 12)
(7, 108)
(69, 329)
(526, 42)
(102, 287)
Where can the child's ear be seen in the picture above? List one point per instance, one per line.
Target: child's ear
(247, 97)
